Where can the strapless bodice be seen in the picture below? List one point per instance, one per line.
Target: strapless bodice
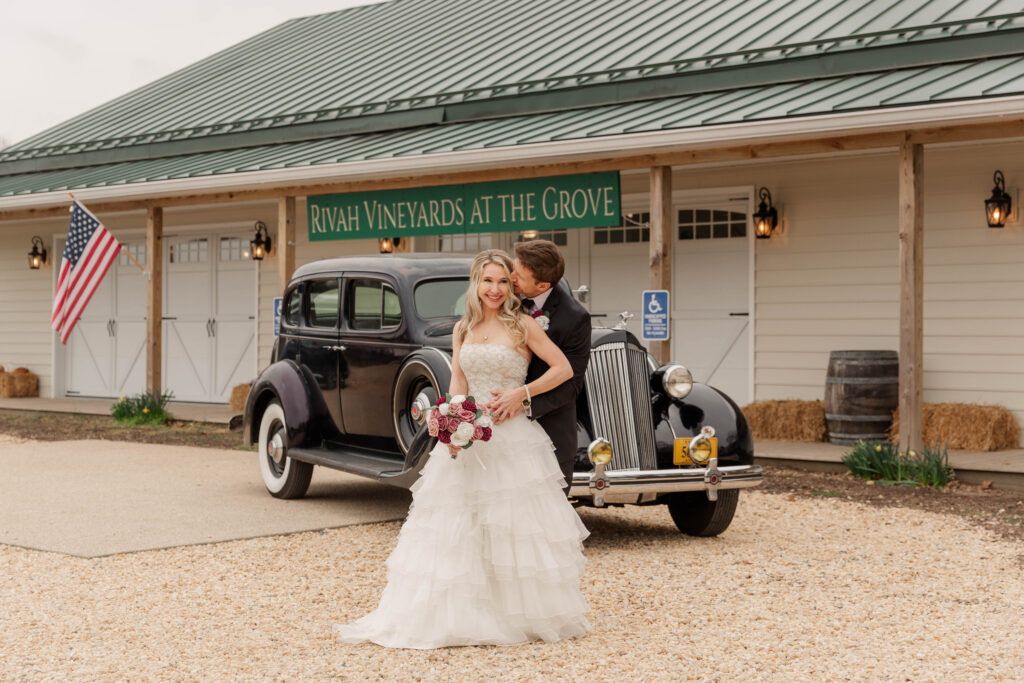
(489, 367)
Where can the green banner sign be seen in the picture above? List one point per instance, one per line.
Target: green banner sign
(555, 203)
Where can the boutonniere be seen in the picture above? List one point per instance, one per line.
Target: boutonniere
(543, 318)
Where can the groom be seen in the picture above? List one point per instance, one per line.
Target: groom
(537, 270)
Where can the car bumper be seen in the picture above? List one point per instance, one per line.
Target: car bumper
(641, 486)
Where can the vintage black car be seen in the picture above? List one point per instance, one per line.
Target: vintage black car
(365, 349)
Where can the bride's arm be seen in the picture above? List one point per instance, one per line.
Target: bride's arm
(458, 384)
(509, 403)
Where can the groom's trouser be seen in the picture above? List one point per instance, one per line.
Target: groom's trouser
(561, 428)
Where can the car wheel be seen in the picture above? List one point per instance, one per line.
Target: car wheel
(695, 515)
(416, 390)
(283, 476)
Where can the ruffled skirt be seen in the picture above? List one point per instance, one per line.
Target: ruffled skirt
(490, 554)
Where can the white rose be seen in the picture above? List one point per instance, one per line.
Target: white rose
(484, 421)
(461, 443)
(464, 432)
(442, 409)
(459, 398)
(543, 321)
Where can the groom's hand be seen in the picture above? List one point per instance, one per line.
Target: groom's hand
(505, 405)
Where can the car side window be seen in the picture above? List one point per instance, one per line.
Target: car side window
(292, 306)
(372, 305)
(323, 303)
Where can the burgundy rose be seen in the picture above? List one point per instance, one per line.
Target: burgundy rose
(486, 434)
(444, 437)
(440, 400)
(469, 405)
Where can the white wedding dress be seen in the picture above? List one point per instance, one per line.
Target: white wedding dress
(491, 552)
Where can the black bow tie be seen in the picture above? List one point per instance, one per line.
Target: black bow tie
(527, 304)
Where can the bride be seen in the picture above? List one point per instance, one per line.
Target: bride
(491, 551)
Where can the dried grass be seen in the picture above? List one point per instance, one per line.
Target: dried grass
(18, 385)
(238, 397)
(787, 420)
(966, 426)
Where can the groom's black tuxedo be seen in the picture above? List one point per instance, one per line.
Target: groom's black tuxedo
(555, 410)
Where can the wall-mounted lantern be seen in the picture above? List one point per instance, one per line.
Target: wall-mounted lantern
(766, 218)
(37, 256)
(389, 244)
(260, 244)
(998, 206)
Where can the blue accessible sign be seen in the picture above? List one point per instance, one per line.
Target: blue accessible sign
(655, 307)
(277, 316)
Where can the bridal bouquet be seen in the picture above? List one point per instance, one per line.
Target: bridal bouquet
(459, 421)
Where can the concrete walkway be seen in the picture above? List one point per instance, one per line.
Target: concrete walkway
(219, 413)
(94, 498)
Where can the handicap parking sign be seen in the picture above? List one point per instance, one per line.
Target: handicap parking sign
(277, 316)
(655, 315)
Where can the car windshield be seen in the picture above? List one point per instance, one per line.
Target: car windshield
(441, 298)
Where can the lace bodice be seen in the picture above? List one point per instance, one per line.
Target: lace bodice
(491, 366)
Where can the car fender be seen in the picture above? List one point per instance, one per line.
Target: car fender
(294, 387)
(703, 406)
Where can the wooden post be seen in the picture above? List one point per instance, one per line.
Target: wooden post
(285, 241)
(662, 228)
(154, 299)
(911, 230)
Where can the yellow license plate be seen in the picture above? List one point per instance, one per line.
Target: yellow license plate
(681, 456)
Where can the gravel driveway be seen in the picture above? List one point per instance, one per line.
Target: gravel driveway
(801, 589)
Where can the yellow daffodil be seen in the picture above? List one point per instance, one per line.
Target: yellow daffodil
(145, 410)
(878, 449)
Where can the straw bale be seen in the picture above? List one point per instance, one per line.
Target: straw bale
(238, 397)
(788, 420)
(967, 426)
(18, 385)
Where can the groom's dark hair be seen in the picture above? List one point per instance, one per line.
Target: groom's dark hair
(543, 260)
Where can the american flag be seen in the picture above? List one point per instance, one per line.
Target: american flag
(88, 254)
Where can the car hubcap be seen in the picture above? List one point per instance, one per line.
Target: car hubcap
(419, 408)
(276, 451)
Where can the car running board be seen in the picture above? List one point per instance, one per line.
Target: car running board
(365, 463)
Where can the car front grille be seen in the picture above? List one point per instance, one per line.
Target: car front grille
(619, 399)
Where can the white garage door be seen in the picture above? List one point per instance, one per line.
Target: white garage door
(209, 342)
(104, 356)
(710, 297)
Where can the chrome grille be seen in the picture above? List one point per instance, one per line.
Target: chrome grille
(619, 398)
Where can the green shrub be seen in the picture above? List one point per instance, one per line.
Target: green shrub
(142, 409)
(884, 463)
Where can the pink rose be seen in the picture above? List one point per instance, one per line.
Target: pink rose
(442, 423)
(432, 423)
(454, 408)
(467, 415)
(478, 433)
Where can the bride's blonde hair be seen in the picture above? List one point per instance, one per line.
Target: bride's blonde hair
(508, 314)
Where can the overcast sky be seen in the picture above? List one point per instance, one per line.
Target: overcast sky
(63, 57)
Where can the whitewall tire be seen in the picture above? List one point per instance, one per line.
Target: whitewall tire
(283, 476)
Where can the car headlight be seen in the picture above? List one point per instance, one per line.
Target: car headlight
(675, 380)
(600, 451)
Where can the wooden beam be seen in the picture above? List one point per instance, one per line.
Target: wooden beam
(154, 299)
(1007, 127)
(911, 232)
(285, 242)
(661, 246)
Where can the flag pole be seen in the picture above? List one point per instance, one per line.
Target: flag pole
(124, 249)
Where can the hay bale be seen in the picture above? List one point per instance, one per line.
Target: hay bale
(966, 426)
(238, 397)
(18, 385)
(788, 420)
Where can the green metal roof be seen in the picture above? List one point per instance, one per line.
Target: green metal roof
(917, 86)
(468, 59)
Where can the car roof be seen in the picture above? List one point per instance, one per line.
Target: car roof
(406, 265)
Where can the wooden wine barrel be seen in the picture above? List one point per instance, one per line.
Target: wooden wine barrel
(861, 393)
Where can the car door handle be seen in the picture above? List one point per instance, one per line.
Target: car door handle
(339, 347)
